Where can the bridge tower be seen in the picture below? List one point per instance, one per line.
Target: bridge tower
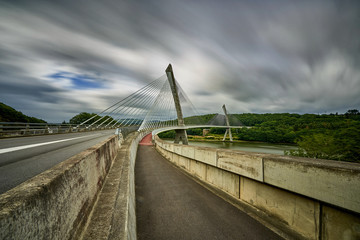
(228, 130)
(180, 134)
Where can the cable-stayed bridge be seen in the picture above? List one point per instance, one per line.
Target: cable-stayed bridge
(148, 188)
(156, 105)
(160, 104)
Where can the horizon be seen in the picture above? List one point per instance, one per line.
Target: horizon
(319, 114)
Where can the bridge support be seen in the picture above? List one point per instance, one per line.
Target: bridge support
(180, 134)
(228, 130)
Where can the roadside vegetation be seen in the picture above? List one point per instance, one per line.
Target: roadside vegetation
(9, 114)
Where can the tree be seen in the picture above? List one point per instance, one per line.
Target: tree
(82, 117)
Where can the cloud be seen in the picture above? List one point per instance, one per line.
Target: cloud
(276, 56)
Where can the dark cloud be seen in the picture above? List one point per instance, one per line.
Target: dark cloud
(255, 56)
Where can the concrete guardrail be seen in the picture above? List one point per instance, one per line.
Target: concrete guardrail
(56, 203)
(313, 199)
(114, 216)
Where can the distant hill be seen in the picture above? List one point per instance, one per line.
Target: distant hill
(8, 114)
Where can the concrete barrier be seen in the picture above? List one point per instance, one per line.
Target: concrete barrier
(114, 216)
(56, 204)
(313, 199)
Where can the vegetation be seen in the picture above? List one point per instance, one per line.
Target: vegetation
(198, 120)
(328, 136)
(9, 114)
(82, 117)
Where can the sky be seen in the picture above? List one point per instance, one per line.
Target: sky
(60, 58)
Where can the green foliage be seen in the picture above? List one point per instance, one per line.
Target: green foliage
(198, 120)
(343, 145)
(217, 130)
(82, 117)
(9, 114)
(195, 131)
(330, 136)
(167, 134)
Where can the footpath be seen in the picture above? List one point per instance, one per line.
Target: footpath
(171, 205)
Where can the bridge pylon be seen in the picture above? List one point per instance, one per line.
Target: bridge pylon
(228, 130)
(180, 134)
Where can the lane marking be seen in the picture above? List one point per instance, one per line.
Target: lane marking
(12, 149)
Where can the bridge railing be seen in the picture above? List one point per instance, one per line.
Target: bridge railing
(15, 129)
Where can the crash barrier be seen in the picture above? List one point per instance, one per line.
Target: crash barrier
(307, 198)
(56, 203)
(17, 129)
(114, 215)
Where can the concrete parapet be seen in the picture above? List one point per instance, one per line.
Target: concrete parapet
(244, 164)
(299, 213)
(315, 199)
(337, 183)
(57, 203)
(114, 216)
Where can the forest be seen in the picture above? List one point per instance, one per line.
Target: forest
(326, 136)
(9, 114)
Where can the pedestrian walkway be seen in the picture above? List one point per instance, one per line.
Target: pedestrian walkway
(171, 205)
(146, 141)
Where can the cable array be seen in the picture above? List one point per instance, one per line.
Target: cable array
(150, 107)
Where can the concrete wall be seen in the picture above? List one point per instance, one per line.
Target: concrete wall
(123, 225)
(56, 203)
(315, 199)
(114, 216)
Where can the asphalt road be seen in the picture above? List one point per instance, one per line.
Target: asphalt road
(170, 205)
(25, 157)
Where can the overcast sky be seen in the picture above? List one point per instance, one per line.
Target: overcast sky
(59, 58)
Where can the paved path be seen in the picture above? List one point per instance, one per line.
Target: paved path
(170, 205)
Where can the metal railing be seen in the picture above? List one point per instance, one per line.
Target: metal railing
(16, 129)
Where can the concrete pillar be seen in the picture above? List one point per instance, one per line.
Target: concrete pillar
(180, 134)
(228, 130)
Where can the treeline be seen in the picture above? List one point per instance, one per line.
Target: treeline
(84, 116)
(327, 136)
(199, 120)
(9, 114)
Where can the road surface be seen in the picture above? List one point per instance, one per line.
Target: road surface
(23, 158)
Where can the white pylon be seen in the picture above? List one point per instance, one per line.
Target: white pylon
(228, 130)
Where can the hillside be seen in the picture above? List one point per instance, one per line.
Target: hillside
(9, 114)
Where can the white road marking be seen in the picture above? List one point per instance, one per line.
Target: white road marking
(12, 149)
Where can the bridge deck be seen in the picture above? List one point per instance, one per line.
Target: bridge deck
(170, 205)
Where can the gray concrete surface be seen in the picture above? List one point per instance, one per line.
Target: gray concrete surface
(56, 203)
(170, 205)
(21, 165)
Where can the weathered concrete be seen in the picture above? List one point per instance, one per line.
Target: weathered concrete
(338, 224)
(337, 183)
(299, 213)
(248, 165)
(311, 198)
(56, 203)
(114, 214)
(180, 134)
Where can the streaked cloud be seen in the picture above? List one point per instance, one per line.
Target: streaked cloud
(59, 58)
